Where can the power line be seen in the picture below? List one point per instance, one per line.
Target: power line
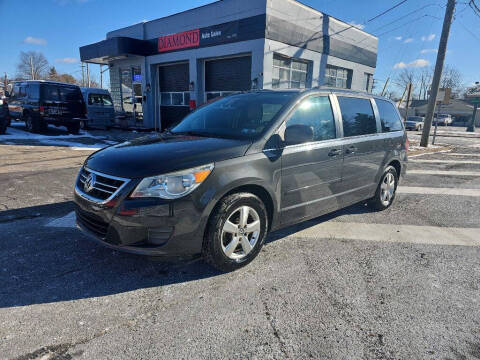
(404, 16)
(388, 10)
(370, 20)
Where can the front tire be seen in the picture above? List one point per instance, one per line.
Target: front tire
(235, 232)
(74, 128)
(386, 190)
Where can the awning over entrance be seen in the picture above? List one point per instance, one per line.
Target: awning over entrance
(116, 48)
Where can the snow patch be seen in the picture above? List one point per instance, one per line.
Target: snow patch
(67, 221)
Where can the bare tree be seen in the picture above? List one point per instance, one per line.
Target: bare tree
(406, 76)
(452, 78)
(424, 81)
(32, 65)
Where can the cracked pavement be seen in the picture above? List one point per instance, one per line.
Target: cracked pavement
(309, 294)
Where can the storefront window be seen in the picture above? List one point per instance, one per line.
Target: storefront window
(127, 93)
(289, 73)
(338, 77)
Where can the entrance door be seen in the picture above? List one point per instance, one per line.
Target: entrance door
(174, 82)
(311, 171)
(225, 76)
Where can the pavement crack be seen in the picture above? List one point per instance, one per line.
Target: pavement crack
(276, 332)
(59, 351)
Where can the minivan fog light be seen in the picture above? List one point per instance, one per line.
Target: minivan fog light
(173, 185)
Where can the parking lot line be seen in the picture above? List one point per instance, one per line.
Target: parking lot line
(435, 161)
(465, 155)
(412, 234)
(444, 172)
(437, 191)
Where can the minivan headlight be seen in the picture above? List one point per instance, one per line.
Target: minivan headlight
(173, 185)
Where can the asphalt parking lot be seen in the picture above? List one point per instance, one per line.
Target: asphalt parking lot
(400, 284)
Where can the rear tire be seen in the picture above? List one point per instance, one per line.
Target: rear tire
(32, 124)
(235, 232)
(83, 125)
(386, 190)
(74, 128)
(3, 126)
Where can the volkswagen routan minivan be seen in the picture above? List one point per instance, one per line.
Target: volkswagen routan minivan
(231, 171)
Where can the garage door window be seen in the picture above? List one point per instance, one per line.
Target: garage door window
(357, 116)
(175, 98)
(289, 73)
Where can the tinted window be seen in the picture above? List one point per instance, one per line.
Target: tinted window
(50, 93)
(94, 99)
(315, 112)
(107, 100)
(236, 116)
(33, 91)
(22, 92)
(389, 117)
(357, 116)
(69, 93)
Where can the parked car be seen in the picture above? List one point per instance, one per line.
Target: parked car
(233, 170)
(100, 111)
(4, 115)
(414, 123)
(443, 119)
(40, 103)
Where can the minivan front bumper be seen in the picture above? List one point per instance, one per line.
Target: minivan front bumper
(146, 227)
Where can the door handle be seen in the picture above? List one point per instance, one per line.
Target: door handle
(351, 150)
(334, 152)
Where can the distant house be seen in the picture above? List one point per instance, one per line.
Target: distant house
(461, 110)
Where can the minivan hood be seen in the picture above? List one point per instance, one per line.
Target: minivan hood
(159, 154)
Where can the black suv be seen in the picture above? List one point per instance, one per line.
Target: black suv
(4, 115)
(39, 103)
(235, 169)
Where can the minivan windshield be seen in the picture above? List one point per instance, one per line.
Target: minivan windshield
(239, 116)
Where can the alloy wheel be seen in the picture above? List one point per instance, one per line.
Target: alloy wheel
(240, 232)
(387, 189)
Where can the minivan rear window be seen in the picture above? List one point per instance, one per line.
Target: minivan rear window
(357, 116)
(389, 117)
(99, 99)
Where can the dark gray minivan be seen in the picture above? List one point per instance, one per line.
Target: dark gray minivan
(233, 170)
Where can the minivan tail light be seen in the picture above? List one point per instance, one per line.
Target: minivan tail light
(42, 110)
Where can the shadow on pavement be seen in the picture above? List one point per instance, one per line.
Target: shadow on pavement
(44, 264)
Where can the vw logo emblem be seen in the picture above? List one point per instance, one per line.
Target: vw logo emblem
(89, 182)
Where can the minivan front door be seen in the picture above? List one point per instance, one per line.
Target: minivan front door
(311, 171)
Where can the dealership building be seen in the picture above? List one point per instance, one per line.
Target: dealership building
(160, 69)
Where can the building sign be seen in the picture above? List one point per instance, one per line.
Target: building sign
(177, 41)
(212, 35)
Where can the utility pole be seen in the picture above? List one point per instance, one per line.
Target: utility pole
(409, 95)
(442, 49)
(101, 77)
(385, 86)
(83, 74)
(88, 76)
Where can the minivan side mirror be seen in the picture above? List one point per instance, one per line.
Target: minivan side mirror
(298, 134)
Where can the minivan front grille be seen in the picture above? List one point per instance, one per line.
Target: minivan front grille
(92, 223)
(98, 187)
